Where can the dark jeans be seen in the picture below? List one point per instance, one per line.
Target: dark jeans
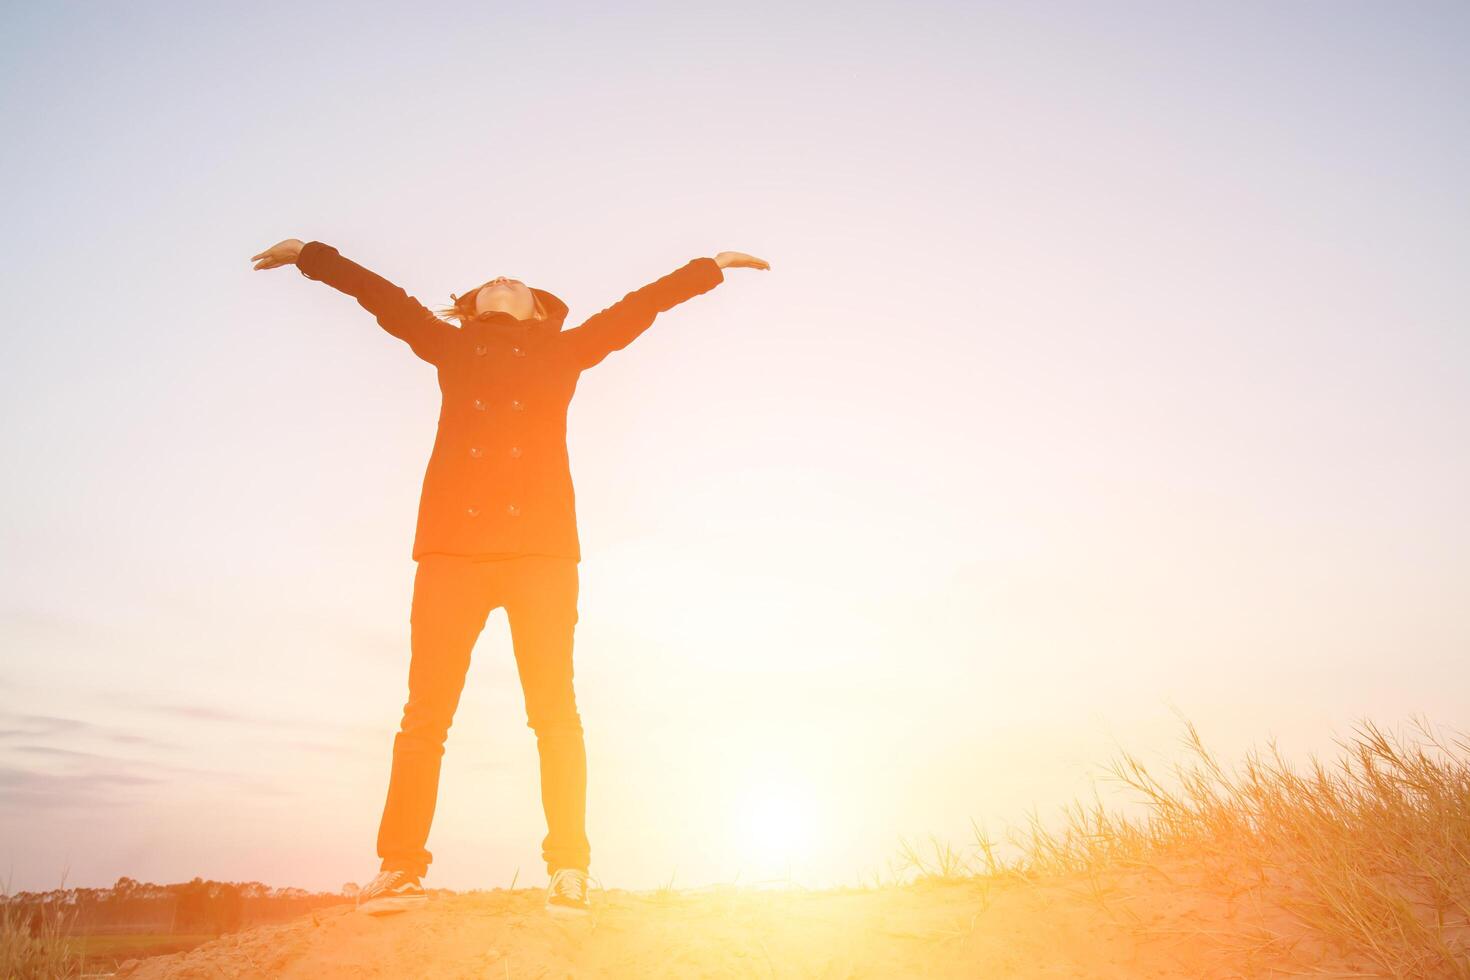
(452, 598)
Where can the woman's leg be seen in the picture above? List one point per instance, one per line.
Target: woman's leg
(450, 606)
(541, 603)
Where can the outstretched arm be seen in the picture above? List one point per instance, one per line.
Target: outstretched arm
(400, 314)
(617, 326)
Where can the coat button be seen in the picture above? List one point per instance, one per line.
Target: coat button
(476, 452)
(515, 451)
(480, 349)
(518, 405)
(513, 510)
(518, 352)
(473, 511)
(479, 404)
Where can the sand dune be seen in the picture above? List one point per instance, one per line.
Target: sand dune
(1127, 924)
(1356, 869)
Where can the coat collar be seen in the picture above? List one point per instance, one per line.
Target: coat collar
(499, 322)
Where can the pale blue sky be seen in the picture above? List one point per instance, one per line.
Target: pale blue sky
(1113, 357)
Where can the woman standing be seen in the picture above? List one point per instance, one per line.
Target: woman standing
(496, 527)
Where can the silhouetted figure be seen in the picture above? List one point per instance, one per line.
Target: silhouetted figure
(496, 527)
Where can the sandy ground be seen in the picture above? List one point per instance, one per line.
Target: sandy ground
(1130, 925)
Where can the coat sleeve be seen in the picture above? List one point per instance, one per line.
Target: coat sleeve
(401, 315)
(616, 327)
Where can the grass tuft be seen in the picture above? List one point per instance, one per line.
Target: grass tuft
(38, 944)
(1371, 853)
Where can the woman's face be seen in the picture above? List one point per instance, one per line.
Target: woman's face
(506, 295)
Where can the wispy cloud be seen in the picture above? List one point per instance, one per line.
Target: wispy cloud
(66, 753)
(205, 713)
(58, 761)
(65, 777)
(27, 790)
(31, 726)
(226, 716)
(22, 724)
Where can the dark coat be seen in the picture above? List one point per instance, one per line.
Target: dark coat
(498, 480)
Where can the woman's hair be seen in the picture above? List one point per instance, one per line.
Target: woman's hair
(463, 308)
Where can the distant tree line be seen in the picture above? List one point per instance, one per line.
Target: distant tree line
(190, 907)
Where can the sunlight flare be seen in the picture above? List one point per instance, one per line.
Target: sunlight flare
(776, 825)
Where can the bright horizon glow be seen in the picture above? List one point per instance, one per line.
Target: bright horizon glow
(1113, 360)
(777, 825)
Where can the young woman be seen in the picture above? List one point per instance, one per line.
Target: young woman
(496, 527)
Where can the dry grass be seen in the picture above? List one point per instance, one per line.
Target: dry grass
(1371, 855)
(47, 951)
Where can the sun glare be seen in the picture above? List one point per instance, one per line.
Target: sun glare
(776, 827)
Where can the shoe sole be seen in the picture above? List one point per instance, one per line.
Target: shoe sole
(392, 903)
(563, 912)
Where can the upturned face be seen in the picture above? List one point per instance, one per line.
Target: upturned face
(507, 296)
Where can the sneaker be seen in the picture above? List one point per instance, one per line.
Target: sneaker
(391, 891)
(567, 893)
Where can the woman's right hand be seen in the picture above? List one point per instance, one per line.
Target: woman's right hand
(281, 253)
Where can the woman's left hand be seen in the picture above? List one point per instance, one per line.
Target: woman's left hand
(740, 260)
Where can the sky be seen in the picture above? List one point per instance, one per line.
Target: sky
(1112, 370)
